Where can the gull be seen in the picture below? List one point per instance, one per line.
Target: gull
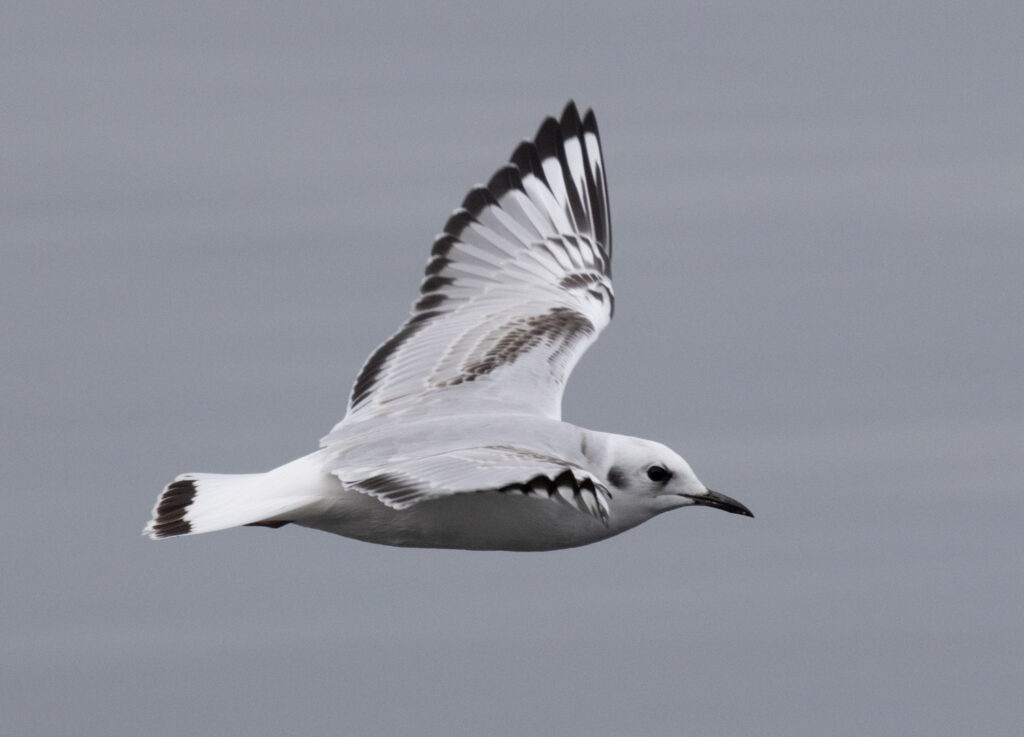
(453, 436)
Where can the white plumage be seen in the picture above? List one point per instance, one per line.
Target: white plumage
(453, 435)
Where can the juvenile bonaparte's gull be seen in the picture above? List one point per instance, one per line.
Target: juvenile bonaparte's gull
(453, 436)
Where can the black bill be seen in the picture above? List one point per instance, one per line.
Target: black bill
(719, 501)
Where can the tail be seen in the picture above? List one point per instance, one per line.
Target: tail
(204, 502)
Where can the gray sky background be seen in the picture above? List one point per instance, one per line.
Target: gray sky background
(211, 214)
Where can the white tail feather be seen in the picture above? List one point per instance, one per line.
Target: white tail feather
(205, 502)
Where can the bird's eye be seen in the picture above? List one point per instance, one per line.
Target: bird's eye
(658, 474)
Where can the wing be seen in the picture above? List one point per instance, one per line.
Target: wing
(401, 484)
(517, 287)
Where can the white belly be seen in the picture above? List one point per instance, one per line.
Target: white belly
(471, 521)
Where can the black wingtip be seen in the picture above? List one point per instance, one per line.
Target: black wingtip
(548, 139)
(458, 222)
(590, 124)
(570, 123)
(442, 245)
(434, 282)
(477, 199)
(506, 179)
(526, 159)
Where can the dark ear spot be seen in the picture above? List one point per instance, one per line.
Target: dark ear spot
(616, 477)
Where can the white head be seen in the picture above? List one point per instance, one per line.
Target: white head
(647, 478)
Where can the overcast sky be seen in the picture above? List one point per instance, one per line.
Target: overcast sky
(211, 214)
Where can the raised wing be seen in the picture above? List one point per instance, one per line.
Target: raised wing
(403, 483)
(516, 289)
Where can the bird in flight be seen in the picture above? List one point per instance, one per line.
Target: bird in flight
(453, 436)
